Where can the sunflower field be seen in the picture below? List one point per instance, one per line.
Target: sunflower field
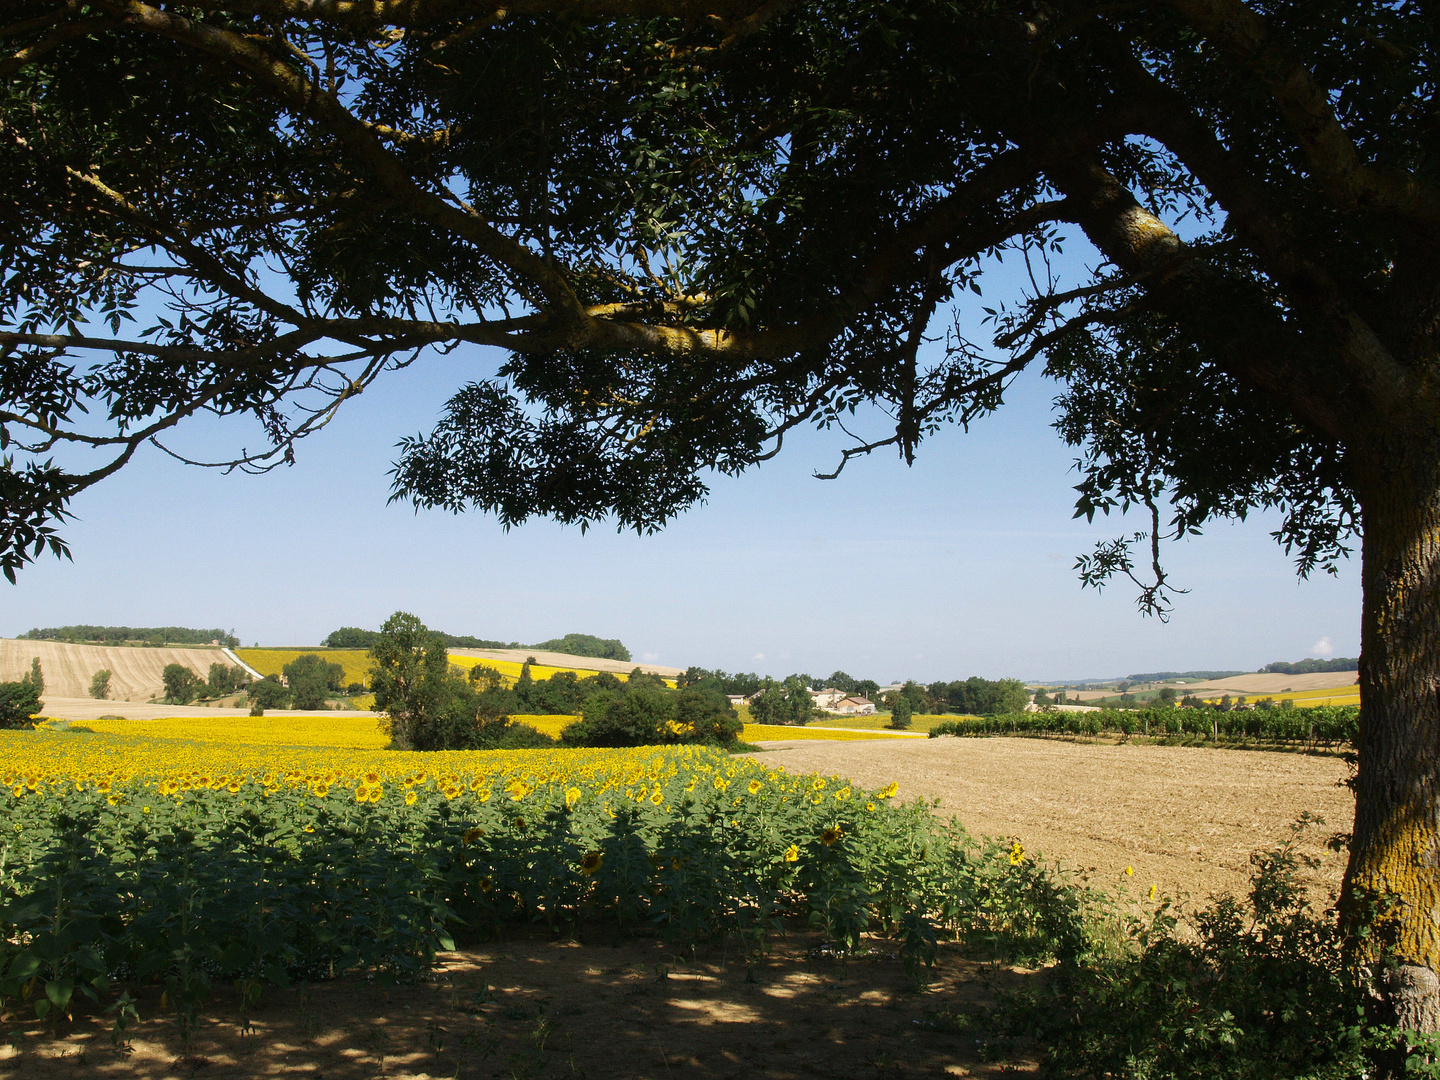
(129, 860)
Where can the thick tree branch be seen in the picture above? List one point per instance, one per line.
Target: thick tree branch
(306, 98)
(1306, 107)
(1249, 339)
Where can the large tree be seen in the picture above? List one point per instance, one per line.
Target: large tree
(695, 225)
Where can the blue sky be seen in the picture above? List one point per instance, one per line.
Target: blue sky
(960, 565)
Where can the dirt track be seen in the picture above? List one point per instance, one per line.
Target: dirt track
(68, 669)
(1185, 818)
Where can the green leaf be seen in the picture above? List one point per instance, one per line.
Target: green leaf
(60, 991)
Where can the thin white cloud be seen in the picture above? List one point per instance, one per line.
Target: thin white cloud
(758, 656)
(1323, 647)
(650, 656)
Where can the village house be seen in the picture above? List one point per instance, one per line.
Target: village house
(826, 699)
(837, 701)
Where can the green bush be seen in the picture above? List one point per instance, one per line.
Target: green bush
(19, 704)
(268, 693)
(1257, 989)
(647, 715)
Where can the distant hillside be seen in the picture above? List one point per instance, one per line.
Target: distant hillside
(137, 635)
(353, 637)
(1162, 676)
(135, 674)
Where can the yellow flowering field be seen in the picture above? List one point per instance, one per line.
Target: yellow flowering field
(241, 856)
(364, 732)
(356, 662)
(309, 729)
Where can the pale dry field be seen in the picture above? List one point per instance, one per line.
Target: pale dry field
(81, 709)
(1184, 818)
(68, 669)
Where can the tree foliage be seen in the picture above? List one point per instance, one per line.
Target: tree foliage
(182, 685)
(268, 693)
(311, 679)
(587, 645)
(661, 188)
(787, 702)
(225, 679)
(20, 701)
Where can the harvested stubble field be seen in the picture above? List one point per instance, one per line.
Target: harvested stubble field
(135, 672)
(1186, 819)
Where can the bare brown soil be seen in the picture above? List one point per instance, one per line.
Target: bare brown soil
(531, 1007)
(1186, 819)
(68, 669)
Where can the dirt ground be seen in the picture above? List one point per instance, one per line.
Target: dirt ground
(68, 669)
(532, 1007)
(1186, 819)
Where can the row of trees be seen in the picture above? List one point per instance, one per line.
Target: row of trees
(781, 702)
(973, 696)
(126, 635)
(353, 637)
(431, 705)
(1312, 666)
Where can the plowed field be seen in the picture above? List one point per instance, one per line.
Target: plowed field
(68, 669)
(1183, 818)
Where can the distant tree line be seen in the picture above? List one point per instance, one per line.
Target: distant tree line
(1311, 666)
(353, 637)
(124, 635)
(1161, 676)
(431, 705)
(973, 696)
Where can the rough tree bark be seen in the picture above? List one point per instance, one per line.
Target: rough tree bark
(1395, 850)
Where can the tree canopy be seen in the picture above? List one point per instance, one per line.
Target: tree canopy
(696, 226)
(260, 206)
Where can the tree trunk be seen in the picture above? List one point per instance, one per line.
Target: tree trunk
(1395, 850)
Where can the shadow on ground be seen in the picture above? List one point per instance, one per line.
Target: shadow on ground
(527, 1007)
